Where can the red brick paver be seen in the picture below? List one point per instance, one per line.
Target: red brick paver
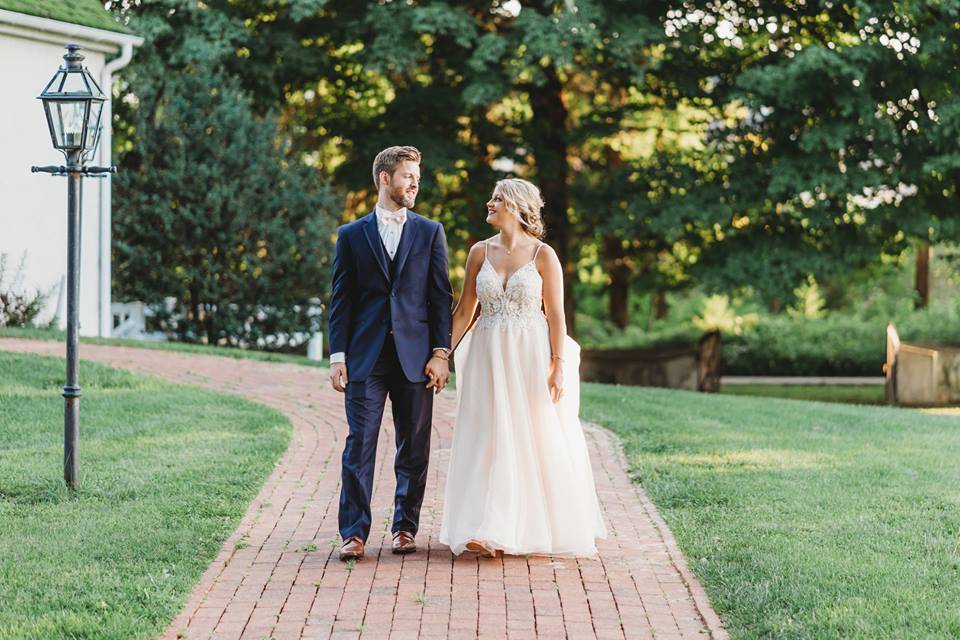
(278, 576)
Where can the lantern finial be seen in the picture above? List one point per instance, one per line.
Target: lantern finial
(73, 57)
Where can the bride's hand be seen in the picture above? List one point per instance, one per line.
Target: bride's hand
(555, 380)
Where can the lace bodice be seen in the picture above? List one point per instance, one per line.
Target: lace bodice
(514, 304)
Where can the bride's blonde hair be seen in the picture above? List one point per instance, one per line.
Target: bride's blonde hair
(523, 199)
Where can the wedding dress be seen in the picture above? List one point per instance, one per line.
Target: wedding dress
(519, 477)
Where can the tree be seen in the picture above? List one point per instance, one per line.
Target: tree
(485, 90)
(844, 146)
(730, 144)
(210, 212)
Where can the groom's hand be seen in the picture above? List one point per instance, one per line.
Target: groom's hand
(438, 370)
(338, 376)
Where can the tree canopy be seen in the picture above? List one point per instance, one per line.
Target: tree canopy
(731, 146)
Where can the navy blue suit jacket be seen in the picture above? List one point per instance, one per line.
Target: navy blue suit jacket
(365, 303)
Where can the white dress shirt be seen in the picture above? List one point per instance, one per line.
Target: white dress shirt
(390, 227)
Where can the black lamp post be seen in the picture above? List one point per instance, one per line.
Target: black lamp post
(73, 103)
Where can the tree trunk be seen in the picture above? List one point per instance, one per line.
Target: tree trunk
(210, 328)
(619, 289)
(548, 141)
(660, 307)
(922, 282)
(774, 305)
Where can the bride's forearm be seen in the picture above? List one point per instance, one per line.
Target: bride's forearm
(557, 329)
(459, 328)
(461, 322)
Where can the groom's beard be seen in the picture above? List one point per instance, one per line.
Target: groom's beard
(403, 198)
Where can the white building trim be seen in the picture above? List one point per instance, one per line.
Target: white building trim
(54, 31)
(106, 194)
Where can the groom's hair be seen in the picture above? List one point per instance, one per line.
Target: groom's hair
(388, 160)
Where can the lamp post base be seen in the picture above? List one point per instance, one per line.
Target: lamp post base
(71, 435)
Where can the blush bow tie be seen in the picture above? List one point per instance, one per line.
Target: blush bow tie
(397, 216)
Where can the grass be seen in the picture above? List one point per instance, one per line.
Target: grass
(850, 394)
(185, 347)
(802, 519)
(166, 473)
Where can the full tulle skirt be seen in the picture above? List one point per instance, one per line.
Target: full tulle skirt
(519, 477)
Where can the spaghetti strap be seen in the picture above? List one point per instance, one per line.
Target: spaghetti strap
(537, 252)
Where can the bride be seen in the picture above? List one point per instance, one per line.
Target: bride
(519, 479)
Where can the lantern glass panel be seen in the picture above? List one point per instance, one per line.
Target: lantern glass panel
(74, 83)
(67, 119)
(93, 125)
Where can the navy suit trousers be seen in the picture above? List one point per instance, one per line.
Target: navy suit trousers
(412, 406)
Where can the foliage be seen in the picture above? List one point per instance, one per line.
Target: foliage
(938, 324)
(718, 314)
(810, 302)
(848, 341)
(843, 144)
(160, 491)
(597, 334)
(836, 345)
(211, 213)
(801, 519)
(484, 91)
(18, 307)
(702, 145)
(785, 346)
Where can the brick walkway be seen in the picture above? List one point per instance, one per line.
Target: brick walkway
(278, 575)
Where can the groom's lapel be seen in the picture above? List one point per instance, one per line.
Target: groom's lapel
(407, 239)
(376, 245)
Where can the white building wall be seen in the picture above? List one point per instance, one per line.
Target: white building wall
(33, 206)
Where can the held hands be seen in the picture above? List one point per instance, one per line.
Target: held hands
(555, 380)
(438, 370)
(338, 376)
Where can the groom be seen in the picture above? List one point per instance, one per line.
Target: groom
(389, 336)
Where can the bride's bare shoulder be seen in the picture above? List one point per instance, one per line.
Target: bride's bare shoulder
(545, 254)
(478, 247)
(476, 253)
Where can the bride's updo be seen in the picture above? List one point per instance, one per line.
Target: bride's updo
(523, 199)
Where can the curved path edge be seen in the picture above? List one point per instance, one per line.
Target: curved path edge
(697, 593)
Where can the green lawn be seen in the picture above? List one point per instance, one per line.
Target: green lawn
(851, 394)
(802, 519)
(166, 472)
(186, 347)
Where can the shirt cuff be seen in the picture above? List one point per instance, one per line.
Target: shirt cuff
(338, 358)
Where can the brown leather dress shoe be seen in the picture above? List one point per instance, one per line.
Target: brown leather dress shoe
(403, 542)
(351, 549)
